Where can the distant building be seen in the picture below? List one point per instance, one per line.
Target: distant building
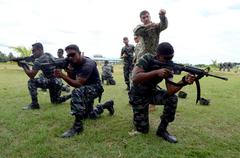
(97, 56)
(100, 59)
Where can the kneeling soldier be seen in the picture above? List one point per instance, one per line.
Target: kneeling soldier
(144, 91)
(107, 71)
(49, 81)
(84, 77)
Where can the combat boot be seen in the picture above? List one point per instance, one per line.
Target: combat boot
(182, 94)
(74, 130)
(162, 132)
(109, 106)
(32, 106)
(66, 97)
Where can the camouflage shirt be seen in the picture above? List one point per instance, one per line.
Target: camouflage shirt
(150, 36)
(47, 70)
(146, 62)
(136, 52)
(107, 70)
(128, 50)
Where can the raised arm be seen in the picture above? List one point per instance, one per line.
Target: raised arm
(163, 20)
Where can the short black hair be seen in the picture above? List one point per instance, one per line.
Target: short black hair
(125, 38)
(106, 62)
(73, 47)
(165, 48)
(143, 13)
(38, 45)
(60, 50)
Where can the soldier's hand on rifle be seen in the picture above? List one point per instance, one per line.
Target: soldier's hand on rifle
(190, 78)
(164, 73)
(58, 73)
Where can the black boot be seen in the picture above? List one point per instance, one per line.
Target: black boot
(109, 106)
(75, 129)
(162, 132)
(32, 106)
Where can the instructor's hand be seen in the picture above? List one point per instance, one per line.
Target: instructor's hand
(162, 12)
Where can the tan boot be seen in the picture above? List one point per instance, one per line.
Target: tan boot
(152, 108)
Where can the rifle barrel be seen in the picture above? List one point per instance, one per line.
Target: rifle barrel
(220, 77)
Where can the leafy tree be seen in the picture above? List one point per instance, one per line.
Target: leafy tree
(10, 55)
(214, 63)
(22, 51)
(3, 57)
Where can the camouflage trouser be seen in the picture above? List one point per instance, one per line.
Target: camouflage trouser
(54, 85)
(109, 80)
(127, 69)
(83, 100)
(65, 88)
(140, 108)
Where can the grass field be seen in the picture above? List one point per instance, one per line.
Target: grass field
(203, 131)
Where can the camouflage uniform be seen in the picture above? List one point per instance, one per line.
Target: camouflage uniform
(220, 66)
(149, 37)
(143, 94)
(107, 71)
(137, 49)
(46, 81)
(83, 97)
(128, 62)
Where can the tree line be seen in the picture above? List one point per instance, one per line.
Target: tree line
(20, 50)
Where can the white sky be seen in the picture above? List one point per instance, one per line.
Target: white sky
(200, 31)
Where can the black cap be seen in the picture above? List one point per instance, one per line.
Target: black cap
(74, 47)
(165, 48)
(38, 45)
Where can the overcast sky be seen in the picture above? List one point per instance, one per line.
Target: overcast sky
(200, 31)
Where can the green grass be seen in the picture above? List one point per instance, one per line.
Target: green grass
(203, 131)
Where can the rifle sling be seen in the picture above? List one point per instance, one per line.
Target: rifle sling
(184, 84)
(198, 91)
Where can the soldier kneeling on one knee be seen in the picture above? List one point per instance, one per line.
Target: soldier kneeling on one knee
(107, 70)
(144, 90)
(46, 81)
(85, 80)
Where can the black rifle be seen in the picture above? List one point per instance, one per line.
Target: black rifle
(23, 61)
(192, 70)
(63, 63)
(59, 63)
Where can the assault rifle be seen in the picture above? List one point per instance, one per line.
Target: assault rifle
(60, 63)
(192, 70)
(23, 61)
